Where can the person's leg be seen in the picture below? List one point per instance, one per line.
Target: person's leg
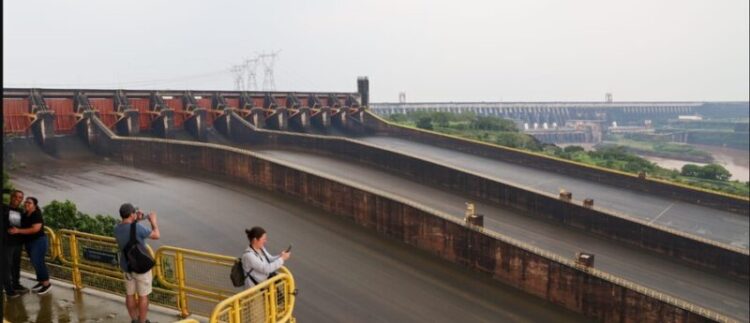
(15, 265)
(5, 270)
(143, 308)
(37, 249)
(143, 284)
(130, 302)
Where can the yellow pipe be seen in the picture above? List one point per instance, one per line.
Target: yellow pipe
(182, 297)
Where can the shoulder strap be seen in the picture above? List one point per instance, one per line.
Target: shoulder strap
(247, 274)
(132, 233)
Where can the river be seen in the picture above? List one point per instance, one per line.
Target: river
(734, 160)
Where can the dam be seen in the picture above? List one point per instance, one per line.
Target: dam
(377, 209)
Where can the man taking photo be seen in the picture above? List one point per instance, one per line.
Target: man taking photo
(134, 282)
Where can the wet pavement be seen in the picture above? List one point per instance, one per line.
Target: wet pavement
(345, 273)
(64, 304)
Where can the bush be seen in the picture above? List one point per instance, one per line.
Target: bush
(424, 123)
(65, 215)
(573, 149)
(710, 171)
(397, 117)
(6, 186)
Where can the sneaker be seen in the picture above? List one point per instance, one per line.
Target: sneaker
(36, 287)
(43, 290)
(12, 294)
(20, 289)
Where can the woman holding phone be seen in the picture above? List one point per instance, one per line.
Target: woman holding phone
(257, 263)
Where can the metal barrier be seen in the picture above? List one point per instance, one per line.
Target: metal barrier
(269, 301)
(190, 281)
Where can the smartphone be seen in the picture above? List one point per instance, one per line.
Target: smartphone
(289, 248)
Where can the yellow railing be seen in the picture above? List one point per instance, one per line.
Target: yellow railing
(190, 281)
(269, 301)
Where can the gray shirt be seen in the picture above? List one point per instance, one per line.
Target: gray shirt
(122, 235)
(261, 264)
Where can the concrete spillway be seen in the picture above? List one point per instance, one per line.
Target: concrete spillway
(345, 273)
(710, 223)
(721, 294)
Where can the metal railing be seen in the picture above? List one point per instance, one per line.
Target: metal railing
(189, 281)
(269, 301)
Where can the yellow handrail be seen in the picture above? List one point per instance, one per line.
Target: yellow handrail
(99, 267)
(232, 306)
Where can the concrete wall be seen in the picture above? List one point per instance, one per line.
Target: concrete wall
(692, 249)
(554, 279)
(695, 196)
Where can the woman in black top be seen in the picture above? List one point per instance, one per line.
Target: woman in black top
(32, 233)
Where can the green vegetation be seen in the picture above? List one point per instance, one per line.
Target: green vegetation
(505, 133)
(468, 125)
(7, 186)
(712, 176)
(711, 172)
(65, 215)
(639, 145)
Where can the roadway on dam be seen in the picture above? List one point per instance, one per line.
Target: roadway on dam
(717, 225)
(724, 295)
(344, 273)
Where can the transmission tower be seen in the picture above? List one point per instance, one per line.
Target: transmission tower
(251, 67)
(268, 60)
(239, 81)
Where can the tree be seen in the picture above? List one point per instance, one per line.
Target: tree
(691, 170)
(7, 186)
(65, 215)
(715, 172)
(442, 118)
(424, 123)
(398, 117)
(573, 149)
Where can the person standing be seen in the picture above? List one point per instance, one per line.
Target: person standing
(12, 276)
(256, 261)
(3, 255)
(134, 282)
(31, 233)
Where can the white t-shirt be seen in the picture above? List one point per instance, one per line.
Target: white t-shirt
(14, 218)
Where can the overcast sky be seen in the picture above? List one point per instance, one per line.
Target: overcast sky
(520, 50)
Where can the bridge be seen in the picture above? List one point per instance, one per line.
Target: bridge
(661, 250)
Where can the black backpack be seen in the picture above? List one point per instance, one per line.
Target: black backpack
(136, 255)
(238, 275)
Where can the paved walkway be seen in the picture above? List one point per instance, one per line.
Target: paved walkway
(65, 304)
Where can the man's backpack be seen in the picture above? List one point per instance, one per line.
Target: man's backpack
(238, 275)
(136, 255)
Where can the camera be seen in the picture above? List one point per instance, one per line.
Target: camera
(140, 214)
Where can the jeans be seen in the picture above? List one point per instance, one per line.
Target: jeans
(13, 276)
(37, 249)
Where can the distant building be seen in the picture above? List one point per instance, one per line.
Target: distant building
(690, 118)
